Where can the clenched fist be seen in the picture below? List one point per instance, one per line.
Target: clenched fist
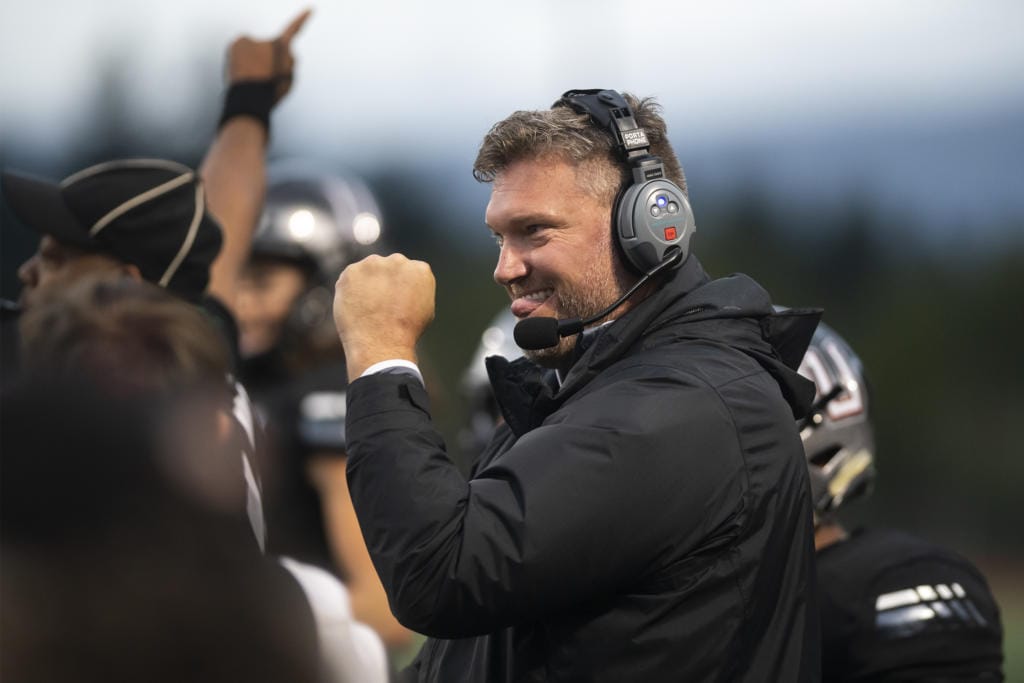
(382, 305)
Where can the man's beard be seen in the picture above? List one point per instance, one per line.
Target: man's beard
(589, 294)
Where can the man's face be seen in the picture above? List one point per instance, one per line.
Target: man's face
(556, 256)
(56, 263)
(267, 290)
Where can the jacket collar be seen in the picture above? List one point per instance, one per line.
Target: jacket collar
(689, 305)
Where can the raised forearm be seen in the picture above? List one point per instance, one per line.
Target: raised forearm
(234, 174)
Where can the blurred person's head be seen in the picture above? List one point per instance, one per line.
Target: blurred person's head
(141, 218)
(555, 177)
(314, 223)
(133, 341)
(126, 550)
(837, 434)
(130, 337)
(110, 570)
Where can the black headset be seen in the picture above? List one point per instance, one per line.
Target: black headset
(651, 215)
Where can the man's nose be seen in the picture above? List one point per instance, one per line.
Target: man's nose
(511, 265)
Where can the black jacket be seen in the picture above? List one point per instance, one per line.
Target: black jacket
(649, 520)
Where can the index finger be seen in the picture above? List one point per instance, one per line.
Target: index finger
(294, 27)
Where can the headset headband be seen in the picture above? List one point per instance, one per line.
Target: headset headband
(610, 110)
(651, 216)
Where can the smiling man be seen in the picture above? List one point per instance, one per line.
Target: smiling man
(550, 232)
(643, 512)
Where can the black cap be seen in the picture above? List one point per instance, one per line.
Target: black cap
(150, 213)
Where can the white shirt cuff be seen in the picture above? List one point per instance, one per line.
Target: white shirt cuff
(393, 364)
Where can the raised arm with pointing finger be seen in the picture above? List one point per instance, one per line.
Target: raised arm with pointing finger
(259, 75)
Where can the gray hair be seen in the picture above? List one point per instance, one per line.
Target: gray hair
(562, 133)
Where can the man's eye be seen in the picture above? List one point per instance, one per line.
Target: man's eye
(498, 239)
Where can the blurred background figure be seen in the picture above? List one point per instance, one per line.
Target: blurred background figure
(127, 553)
(109, 570)
(151, 361)
(895, 607)
(92, 311)
(160, 221)
(482, 411)
(314, 223)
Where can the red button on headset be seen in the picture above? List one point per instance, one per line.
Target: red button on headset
(670, 234)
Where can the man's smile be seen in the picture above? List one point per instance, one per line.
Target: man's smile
(523, 304)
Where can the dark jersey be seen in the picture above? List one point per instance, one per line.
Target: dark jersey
(897, 608)
(303, 417)
(225, 323)
(248, 436)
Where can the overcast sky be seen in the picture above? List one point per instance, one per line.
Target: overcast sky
(379, 72)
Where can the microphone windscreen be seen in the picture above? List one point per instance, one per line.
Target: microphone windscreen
(532, 334)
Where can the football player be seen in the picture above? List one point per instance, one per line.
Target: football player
(894, 606)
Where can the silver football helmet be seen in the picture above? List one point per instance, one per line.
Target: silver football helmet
(837, 435)
(322, 220)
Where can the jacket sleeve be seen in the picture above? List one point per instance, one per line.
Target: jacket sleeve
(591, 502)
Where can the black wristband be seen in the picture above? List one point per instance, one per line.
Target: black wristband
(249, 98)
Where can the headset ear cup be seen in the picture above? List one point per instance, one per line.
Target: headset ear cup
(640, 255)
(645, 230)
(643, 256)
